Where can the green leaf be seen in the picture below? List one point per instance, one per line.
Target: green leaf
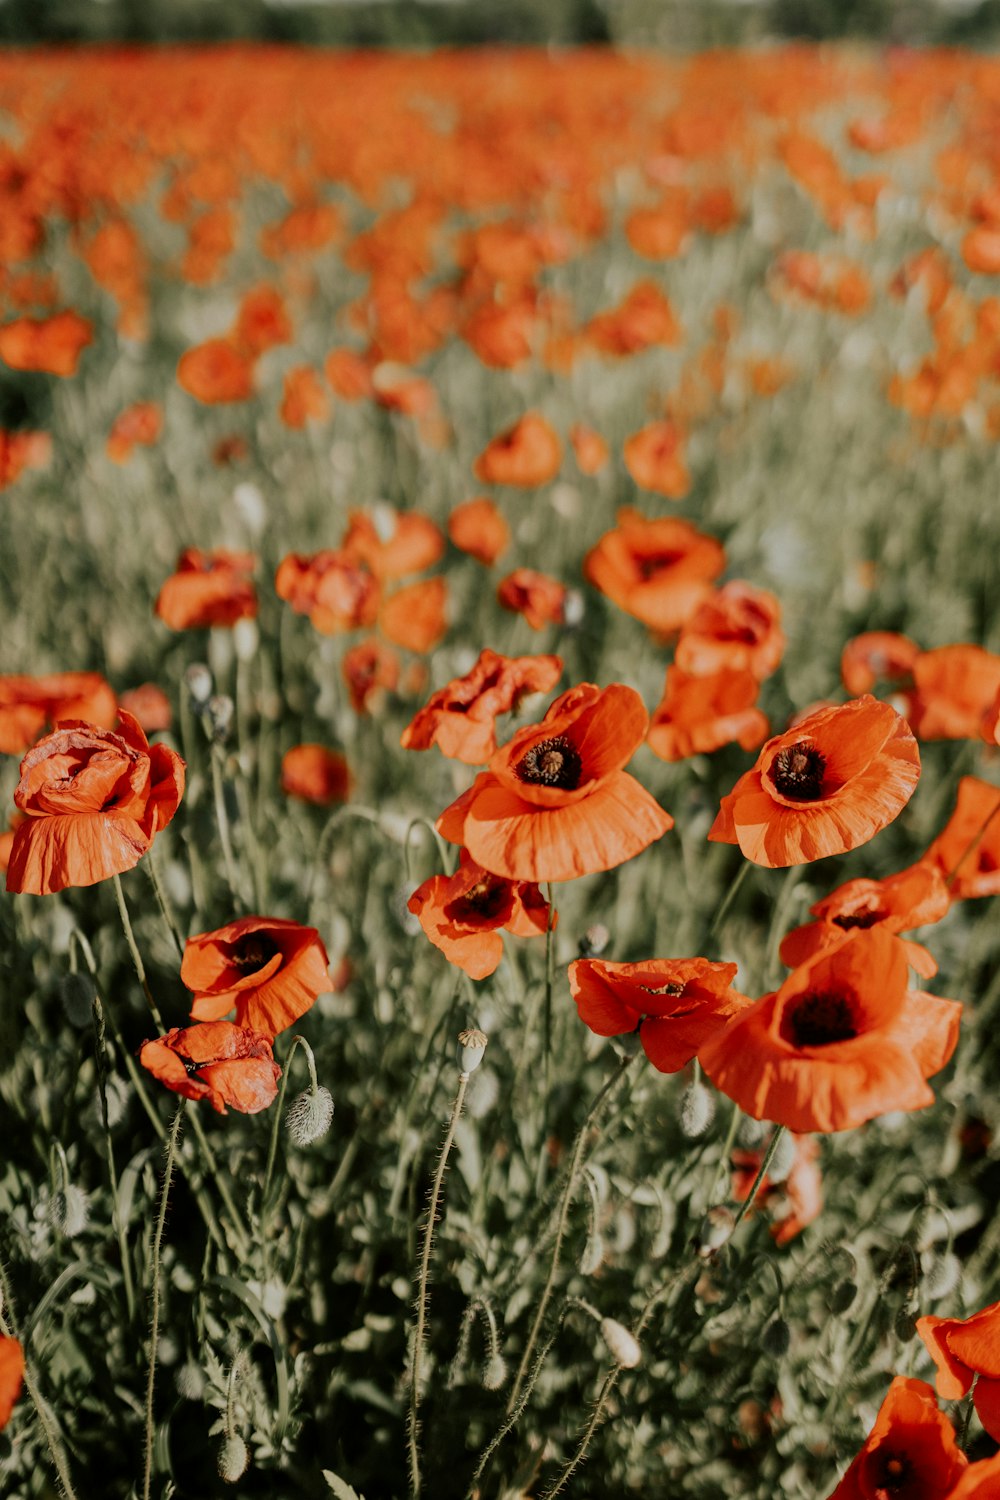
(341, 1489)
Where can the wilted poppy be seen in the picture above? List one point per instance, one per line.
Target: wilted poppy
(11, 1376)
(527, 454)
(967, 850)
(795, 1201)
(368, 667)
(270, 969)
(555, 801)
(589, 449)
(913, 898)
(333, 589)
(964, 1349)
(138, 425)
(208, 588)
(826, 786)
(738, 627)
(911, 1452)
(478, 528)
(94, 800)
(536, 596)
(953, 688)
(27, 704)
(463, 914)
(659, 570)
(53, 345)
(215, 372)
(676, 1004)
(416, 616)
(654, 456)
(460, 718)
(842, 1041)
(225, 1064)
(312, 773)
(877, 656)
(700, 714)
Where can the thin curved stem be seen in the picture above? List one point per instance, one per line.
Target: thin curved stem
(48, 1425)
(154, 1321)
(137, 963)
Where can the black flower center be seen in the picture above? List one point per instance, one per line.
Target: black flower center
(893, 1476)
(252, 952)
(797, 772)
(671, 988)
(860, 918)
(486, 899)
(819, 1019)
(655, 562)
(553, 762)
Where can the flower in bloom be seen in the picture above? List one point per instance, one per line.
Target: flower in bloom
(841, 1041)
(555, 801)
(463, 914)
(962, 1349)
(527, 454)
(910, 1453)
(953, 688)
(792, 1203)
(828, 785)
(27, 704)
(738, 627)
(700, 714)
(53, 344)
(304, 398)
(227, 1065)
(94, 800)
(313, 773)
(676, 1004)
(11, 1376)
(658, 571)
(460, 718)
(349, 374)
(979, 1481)
(913, 898)
(262, 322)
(536, 596)
(138, 425)
(270, 969)
(416, 616)
(366, 668)
(208, 588)
(149, 705)
(589, 448)
(654, 456)
(333, 589)
(22, 450)
(216, 371)
(877, 656)
(967, 850)
(391, 544)
(478, 528)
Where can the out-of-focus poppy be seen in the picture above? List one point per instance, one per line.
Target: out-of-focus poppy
(589, 449)
(94, 800)
(911, 1452)
(335, 591)
(980, 1481)
(349, 374)
(478, 528)
(967, 1350)
(738, 628)
(22, 450)
(215, 372)
(52, 345)
(11, 1376)
(367, 668)
(826, 786)
(794, 1202)
(460, 718)
(227, 1065)
(654, 456)
(463, 914)
(914, 898)
(699, 714)
(303, 398)
(642, 321)
(526, 455)
(877, 656)
(27, 704)
(953, 687)
(313, 773)
(138, 425)
(536, 596)
(659, 570)
(208, 588)
(262, 322)
(416, 616)
(148, 705)
(967, 850)
(271, 970)
(392, 544)
(555, 801)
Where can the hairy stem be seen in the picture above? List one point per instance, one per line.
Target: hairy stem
(154, 1319)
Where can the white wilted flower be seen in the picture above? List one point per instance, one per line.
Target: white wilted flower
(309, 1115)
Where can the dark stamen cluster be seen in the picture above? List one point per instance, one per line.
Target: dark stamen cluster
(485, 900)
(859, 919)
(820, 1019)
(553, 762)
(252, 952)
(797, 772)
(671, 988)
(894, 1475)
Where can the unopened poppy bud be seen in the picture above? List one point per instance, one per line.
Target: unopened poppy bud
(484, 1091)
(842, 1296)
(219, 712)
(594, 941)
(697, 1110)
(716, 1227)
(573, 607)
(776, 1337)
(942, 1275)
(252, 507)
(190, 1381)
(783, 1160)
(593, 1255)
(623, 1345)
(494, 1372)
(233, 1460)
(473, 1047)
(77, 991)
(199, 683)
(905, 1325)
(69, 1210)
(309, 1116)
(752, 1132)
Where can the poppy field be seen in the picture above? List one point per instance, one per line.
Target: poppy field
(499, 723)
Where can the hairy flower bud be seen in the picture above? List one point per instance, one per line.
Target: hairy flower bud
(190, 1381)
(623, 1345)
(594, 941)
(308, 1117)
(69, 1211)
(776, 1337)
(494, 1372)
(697, 1110)
(715, 1229)
(198, 680)
(233, 1460)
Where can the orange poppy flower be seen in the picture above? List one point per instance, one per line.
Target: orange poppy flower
(148, 705)
(208, 588)
(967, 850)
(654, 456)
(911, 1452)
(262, 322)
(463, 914)
(842, 1041)
(555, 801)
(962, 1349)
(335, 591)
(738, 627)
(366, 668)
(478, 528)
(416, 616)
(826, 786)
(138, 425)
(589, 449)
(914, 898)
(312, 773)
(536, 596)
(227, 1065)
(981, 250)
(11, 1376)
(953, 688)
(349, 374)
(20, 451)
(94, 800)
(397, 388)
(215, 371)
(52, 345)
(27, 704)
(460, 718)
(700, 714)
(676, 1004)
(644, 320)
(877, 656)
(391, 544)
(501, 333)
(659, 571)
(270, 969)
(303, 398)
(527, 454)
(7, 841)
(980, 1481)
(794, 1202)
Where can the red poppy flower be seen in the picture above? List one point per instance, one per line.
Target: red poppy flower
(366, 668)
(877, 656)
(478, 528)
(208, 588)
(303, 398)
(463, 914)
(953, 688)
(335, 591)
(460, 718)
(94, 800)
(644, 320)
(215, 372)
(910, 1453)
(967, 850)
(826, 786)
(555, 801)
(225, 1064)
(527, 454)
(270, 969)
(11, 1376)
(149, 706)
(589, 449)
(536, 596)
(700, 714)
(312, 773)
(654, 456)
(738, 628)
(913, 898)
(659, 571)
(794, 1202)
(416, 616)
(22, 450)
(53, 345)
(138, 425)
(980, 1481)
(263, 322)
(962, 1349)
(349, 374)
(27, 704)
(391, 544)
(676, 1004)
(841, 1041)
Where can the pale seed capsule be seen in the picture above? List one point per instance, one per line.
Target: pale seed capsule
(623, 1345)
(233, 1460)
(199, 683)
(309, 1115)
(473, 1048)
(219, 713)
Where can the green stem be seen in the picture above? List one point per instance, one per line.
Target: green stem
(222, 819)
(722, 1163)
(154, 1324)
(163, 901)
(723, 910)
(137, 963)
(748, 1201)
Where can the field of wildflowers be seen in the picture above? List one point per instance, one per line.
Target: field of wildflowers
(499, 721)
